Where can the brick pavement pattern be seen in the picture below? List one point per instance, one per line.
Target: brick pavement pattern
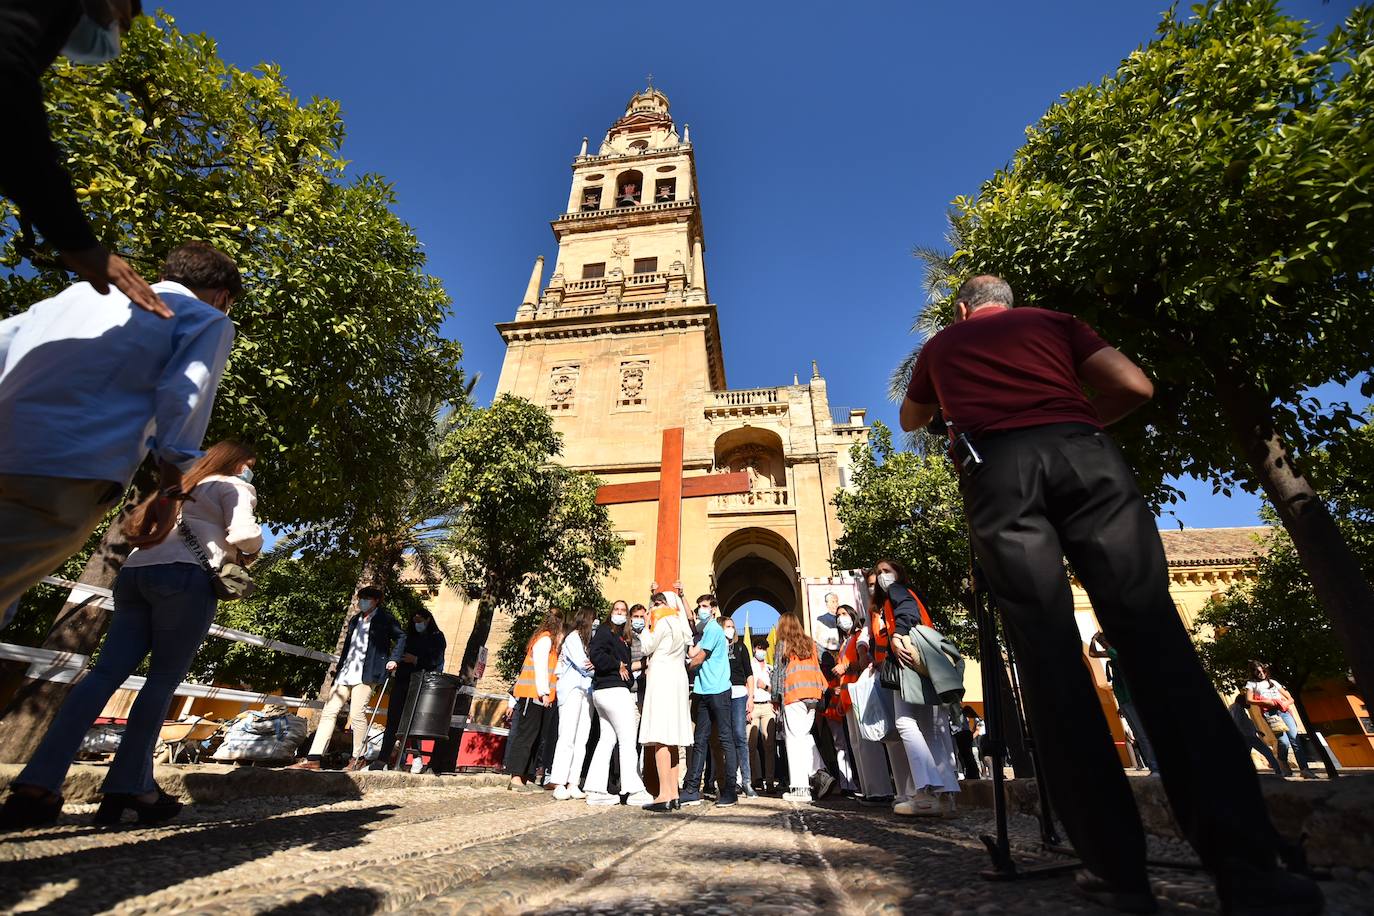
(443, 849)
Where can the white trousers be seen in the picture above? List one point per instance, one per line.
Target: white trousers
(615, 710)
(874, 779)
(842, 760)
(574, 726)
(802, 757)
(928, 744)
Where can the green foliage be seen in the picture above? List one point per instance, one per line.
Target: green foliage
(528, 534)
(338, 357)
(299, 602)
(907, 506)
(1276, 618)
(1208, 208)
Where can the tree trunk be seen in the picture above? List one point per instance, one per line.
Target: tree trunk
(1337, 580)
(79, 627)
(481, 630)
(1331, 769)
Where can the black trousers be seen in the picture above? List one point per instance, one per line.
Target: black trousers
(533, 729)
(963, 743)
(1050, 492)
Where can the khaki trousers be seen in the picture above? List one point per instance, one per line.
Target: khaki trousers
(43, 521)
(763, 736)
(357, 697)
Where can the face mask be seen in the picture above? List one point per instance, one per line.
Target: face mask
(760, 654)
(703, 614)
(729, 634)
(366, 604)
(92, 44)
(421, 627)
(887, 580)
(246, 475)
(638, 625)
(845, 624)
(618, 619)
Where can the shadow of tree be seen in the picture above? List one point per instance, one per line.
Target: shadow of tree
(346, 901)
(107, 876)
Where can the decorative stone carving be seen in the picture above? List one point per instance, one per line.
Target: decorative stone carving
(563, 387)
(633, 376)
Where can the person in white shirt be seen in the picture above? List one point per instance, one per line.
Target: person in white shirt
(763, 721)
(164, 603)
(373, 648)
(1276, 705)
(89, 385)
(574, 673)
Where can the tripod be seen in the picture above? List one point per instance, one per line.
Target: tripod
(1004, 867)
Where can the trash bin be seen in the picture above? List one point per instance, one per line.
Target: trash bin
(433, 710)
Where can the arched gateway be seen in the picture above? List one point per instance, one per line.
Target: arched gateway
(726, 489)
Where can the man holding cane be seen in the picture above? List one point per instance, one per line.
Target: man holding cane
(1041, 482)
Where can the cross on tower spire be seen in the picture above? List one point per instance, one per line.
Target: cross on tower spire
(651, 79)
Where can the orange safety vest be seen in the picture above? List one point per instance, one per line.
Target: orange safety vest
(802, 680)
(840, 702)
(881, 623)
(525, 683)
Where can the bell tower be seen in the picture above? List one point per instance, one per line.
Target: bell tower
(622, 333)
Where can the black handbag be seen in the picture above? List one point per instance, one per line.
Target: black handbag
(890, 672)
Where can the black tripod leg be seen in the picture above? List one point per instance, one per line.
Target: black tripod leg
(999, 846)
(1048, 835)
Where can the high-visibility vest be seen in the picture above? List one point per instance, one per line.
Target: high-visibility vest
(840, 702)
(802, 680)
(881, 624)
(525, 683)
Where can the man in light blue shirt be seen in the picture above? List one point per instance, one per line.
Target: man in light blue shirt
(89, 385)
(712, 687)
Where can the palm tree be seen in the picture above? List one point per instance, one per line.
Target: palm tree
(939, 282)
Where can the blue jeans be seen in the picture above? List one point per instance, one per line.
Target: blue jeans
(1290, 740)
(713, 711)
(739, 719)
(166, 610)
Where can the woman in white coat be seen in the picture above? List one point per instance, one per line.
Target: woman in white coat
(666, 724)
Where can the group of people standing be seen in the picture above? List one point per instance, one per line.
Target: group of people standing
(664, 682)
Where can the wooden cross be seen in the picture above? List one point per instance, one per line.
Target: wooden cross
(669, 491)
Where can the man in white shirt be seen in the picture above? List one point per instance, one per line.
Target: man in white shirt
(89, 385)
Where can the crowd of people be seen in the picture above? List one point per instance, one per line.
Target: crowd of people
(697, 712)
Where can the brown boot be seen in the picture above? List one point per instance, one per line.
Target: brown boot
(356, 764)
(305, 763)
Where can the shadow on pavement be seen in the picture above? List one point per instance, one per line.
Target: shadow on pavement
(108, 875)
(346, 901)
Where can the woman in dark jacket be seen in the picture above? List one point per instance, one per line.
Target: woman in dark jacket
(616, 714)
(425, 648)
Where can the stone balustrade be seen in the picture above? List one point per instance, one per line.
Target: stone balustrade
(617, 211)
(583, 285)
(743, 397)
(771, 499)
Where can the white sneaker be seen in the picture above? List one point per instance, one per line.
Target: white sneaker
(922, 804)
(602, 799)
(797, 795)
(639, 799)
(575, 792)
(561, 793)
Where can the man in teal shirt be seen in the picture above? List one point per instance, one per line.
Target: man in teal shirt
(710, 658)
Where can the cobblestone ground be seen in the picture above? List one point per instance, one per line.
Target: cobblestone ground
(464, 850)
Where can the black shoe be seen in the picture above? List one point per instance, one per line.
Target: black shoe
(22, 810)
(114, 805)
(1099, 891)
(727, 801)
(658, 807)
(1245, 890)
(675, 804)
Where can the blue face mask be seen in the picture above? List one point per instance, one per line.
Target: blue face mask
(366, 604)
(421, 627)
(92, 44)
(638, 624)
(703, 614)
(246, 475)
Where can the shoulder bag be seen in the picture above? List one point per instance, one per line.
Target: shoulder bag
(231, 581)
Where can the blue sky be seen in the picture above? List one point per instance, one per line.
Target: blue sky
(830, 141)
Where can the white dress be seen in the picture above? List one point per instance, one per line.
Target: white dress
(665, 719)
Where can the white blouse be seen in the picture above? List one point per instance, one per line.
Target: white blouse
(220, 516)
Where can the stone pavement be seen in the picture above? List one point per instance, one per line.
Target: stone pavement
(452, 848)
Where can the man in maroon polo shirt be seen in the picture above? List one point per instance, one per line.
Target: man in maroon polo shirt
(1051, 485)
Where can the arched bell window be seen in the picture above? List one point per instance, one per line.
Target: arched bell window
(629, 189)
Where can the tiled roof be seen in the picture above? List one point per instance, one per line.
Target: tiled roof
(1213, 546)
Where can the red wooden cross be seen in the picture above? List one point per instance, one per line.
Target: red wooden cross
(669, 491)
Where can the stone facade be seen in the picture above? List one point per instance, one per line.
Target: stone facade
(622, 342)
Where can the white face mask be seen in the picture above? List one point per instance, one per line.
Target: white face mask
(760, 654)
(366, 604)
(246, 475)
(618, 619)
(844, 623)
(729, 633)
(92, 44)
(887, 580)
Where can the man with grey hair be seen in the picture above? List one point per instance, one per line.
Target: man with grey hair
(1042, 482)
